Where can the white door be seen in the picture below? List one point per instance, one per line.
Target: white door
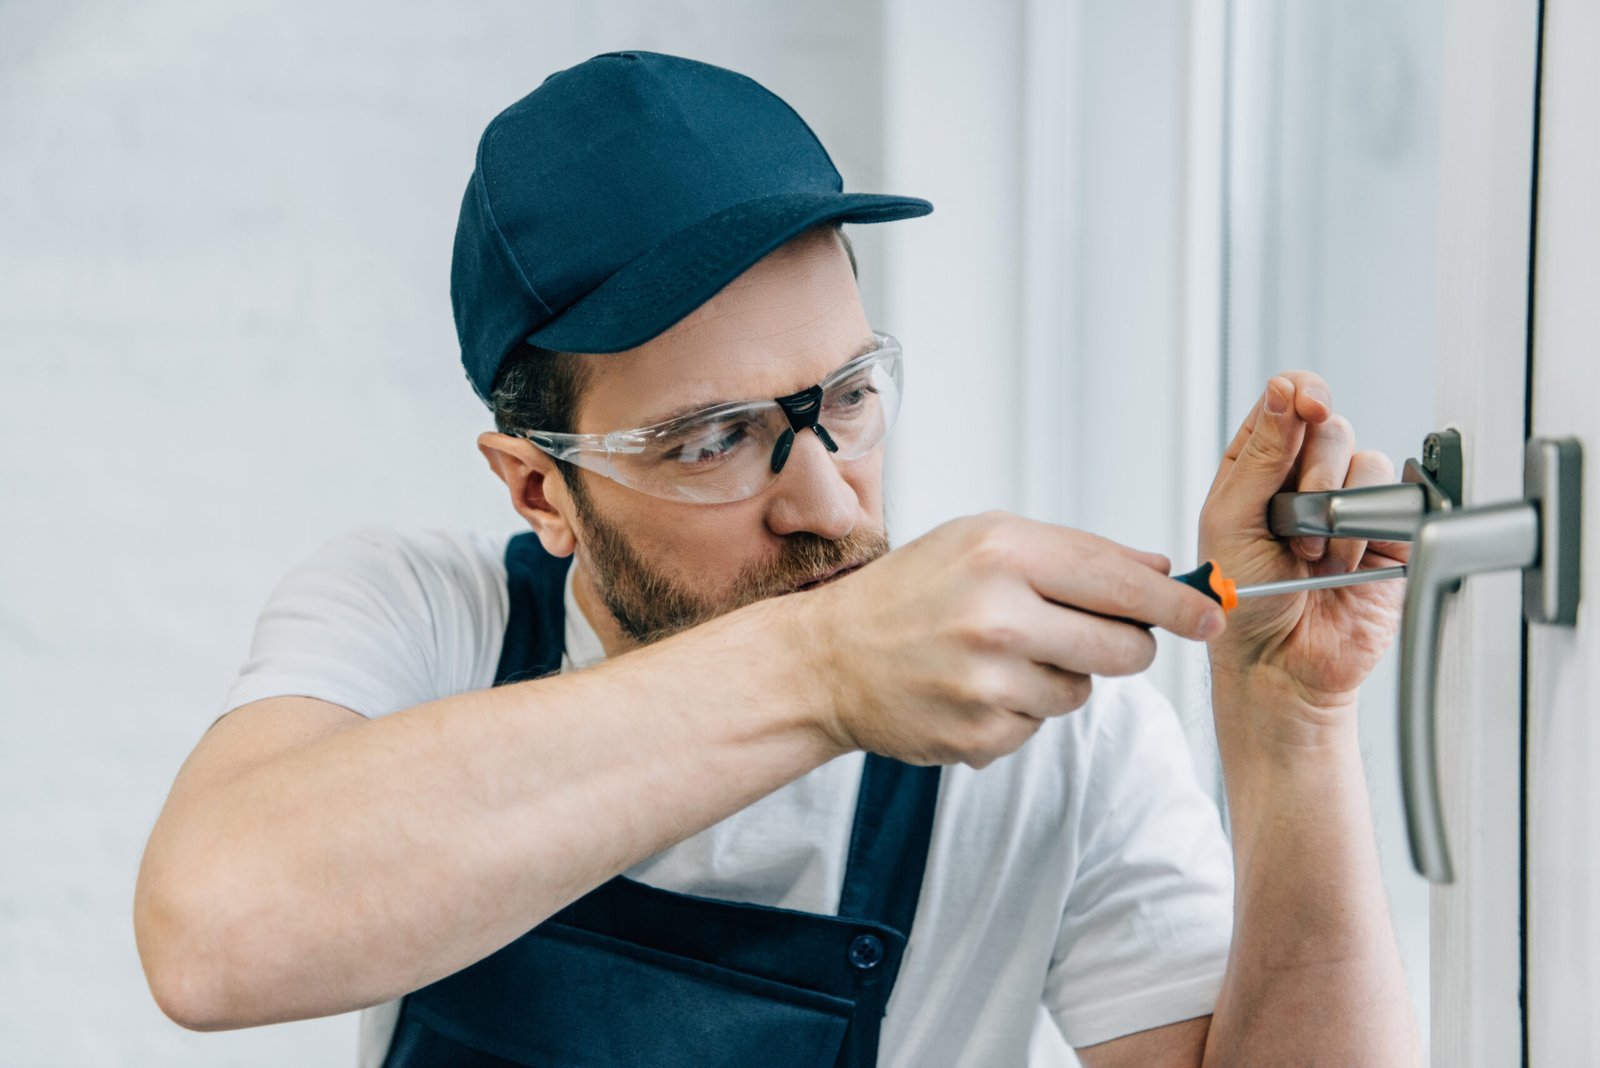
(1516, 953)
(1486, 153)
(1562, 753)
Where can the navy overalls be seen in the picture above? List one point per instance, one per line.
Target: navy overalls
(631, 975)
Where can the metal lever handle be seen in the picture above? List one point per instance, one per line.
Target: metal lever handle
(1449, 547)
(1538, 535)
(1379, 513)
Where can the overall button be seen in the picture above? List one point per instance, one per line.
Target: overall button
(866, 951)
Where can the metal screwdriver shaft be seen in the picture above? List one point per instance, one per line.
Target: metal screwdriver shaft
(1321, 582)
(1209, 580)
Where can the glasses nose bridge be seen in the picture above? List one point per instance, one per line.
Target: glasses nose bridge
(815, 484)
(802, 408)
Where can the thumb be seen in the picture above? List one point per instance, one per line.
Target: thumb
(1268, 456)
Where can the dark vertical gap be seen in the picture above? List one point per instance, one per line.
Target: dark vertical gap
(1018, 225)
(1225, 288)
(1310, 350)
(1225, 300)
(1523, 992)
(1267, 300)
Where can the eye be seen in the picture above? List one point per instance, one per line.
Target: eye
(707, 445)
(850, 396)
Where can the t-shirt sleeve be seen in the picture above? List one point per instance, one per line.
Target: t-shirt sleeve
(1145, 931)
(380, 619)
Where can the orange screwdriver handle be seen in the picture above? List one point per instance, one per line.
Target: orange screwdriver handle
(1209, 580)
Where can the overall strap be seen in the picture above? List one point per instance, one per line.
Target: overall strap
(854, 956)
(889, 842)
(895, 807)
(535, 619)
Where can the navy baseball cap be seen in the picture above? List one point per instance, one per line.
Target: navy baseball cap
(622, 194)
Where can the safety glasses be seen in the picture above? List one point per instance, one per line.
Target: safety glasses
(728, 452)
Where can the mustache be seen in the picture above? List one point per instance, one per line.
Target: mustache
(803, 557)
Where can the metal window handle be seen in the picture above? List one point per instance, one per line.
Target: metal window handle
(1378, 513)
(1539, 535)
(1382, 513)
(1448, 548)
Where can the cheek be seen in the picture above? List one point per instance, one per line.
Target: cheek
(702, 546)
(710, 554)
(865, 476)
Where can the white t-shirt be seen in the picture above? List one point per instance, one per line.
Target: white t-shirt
(1086, 874)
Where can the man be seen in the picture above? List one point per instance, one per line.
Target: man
(696, 771)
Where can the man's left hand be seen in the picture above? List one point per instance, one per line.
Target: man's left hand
(1309, 651)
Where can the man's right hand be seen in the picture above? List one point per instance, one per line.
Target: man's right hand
(957, 646)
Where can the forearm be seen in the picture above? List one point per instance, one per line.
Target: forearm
(1314, 975)
(368, 864)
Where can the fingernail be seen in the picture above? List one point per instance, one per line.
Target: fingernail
(1314, 547)
(1278, 398)
(1321, 396)
(1212, 625)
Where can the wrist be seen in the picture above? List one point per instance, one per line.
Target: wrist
(1287, 765)
(1264, 713)
(798, 645)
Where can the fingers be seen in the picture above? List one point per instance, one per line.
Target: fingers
(1367, 468)
(1078, 570)
(1039, 691)
(1154, 561)
(1236, 445)
(1325, 461)
(1052, 532)
(1313, 399)
(1265, 460)
(1313, 403)
(998, 732)
(1111, 583)
(1387, 553)
(1080, 643)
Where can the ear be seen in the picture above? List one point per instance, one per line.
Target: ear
(538, 492)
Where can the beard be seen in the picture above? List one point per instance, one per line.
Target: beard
(649, 604)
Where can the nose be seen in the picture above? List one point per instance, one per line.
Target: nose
(811, 493)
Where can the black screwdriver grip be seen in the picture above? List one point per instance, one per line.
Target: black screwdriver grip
(1200, 579)
(1206, 578)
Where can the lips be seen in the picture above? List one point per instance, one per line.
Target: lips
(811, 584)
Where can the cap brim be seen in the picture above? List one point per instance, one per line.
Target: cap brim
(654, 291)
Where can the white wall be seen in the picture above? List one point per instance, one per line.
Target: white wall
(225, 336)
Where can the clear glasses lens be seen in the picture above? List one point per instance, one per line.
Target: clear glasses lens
(727, 455)
(722, 458)
(859, 409)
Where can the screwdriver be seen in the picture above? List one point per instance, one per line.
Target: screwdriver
(1209, 580)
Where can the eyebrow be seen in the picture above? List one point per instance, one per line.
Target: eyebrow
(689, 409)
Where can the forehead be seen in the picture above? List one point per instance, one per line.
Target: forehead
(780, 326)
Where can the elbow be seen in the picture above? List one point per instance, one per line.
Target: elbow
(185, 1003)
(185, 979)
(214, 962)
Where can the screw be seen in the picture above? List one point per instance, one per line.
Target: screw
(1430, 453)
